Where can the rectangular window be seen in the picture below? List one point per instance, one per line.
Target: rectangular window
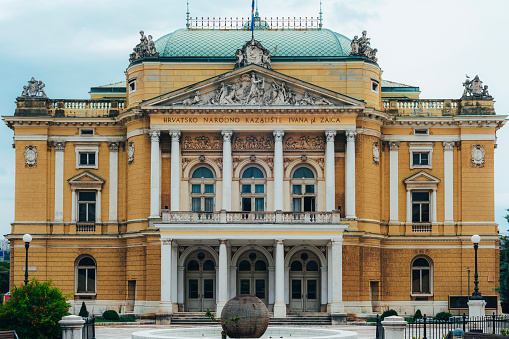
(296, 189)
(310, 188)
(132, 85)
(208, 288)
(86, 206)
(259, 204)
(259, 188)
(420, 207)
(195, 188)
(86, 132)
(309, 204)
(246, 188)
(87, 158)
(260, 288)
(297, 204)
(196, 204)
(420, 158)
(245, 286)
(209, 204)
(246, 204)
(296, 289)
(193, 288)
(311, 288)
(209, 188)
(421, 131)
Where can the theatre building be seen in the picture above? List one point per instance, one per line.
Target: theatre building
(280, 165)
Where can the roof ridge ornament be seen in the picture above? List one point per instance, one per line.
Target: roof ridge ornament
(474, 89)
(362, 47)
(253, 53)
(146, 48)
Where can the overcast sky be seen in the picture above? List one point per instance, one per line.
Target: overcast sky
(74, 45)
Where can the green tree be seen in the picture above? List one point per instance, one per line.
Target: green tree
(4, 277)
(34, 311)
(503, 288)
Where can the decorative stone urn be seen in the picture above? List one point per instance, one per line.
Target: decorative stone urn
(245, 316)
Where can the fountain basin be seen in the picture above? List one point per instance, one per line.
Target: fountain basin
(272, 332)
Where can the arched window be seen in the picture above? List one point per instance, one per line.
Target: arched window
(260, 265)
(208, 265)
(312, 266)
(86, 276)
(193, 266)
(202, 184)
(303, 190)
(253, 190)
(421, 276)
(296, 266)
(244, 265)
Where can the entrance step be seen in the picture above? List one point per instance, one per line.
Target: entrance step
(199, 318)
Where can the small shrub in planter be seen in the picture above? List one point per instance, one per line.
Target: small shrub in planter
(443, 316)
(389, 313)
(83, 310)
(34, 310)
(417, 315)
(111, 315)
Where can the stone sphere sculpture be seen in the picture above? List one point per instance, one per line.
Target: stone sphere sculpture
(252, 315)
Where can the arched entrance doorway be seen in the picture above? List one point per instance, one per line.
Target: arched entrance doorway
(304, 282)
(200, 285)
(252, 276)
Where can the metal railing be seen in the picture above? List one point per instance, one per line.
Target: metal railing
(421, 228)
(429, 328)
(277, 23)
(85, 227)
(88, 331)
(224, 217)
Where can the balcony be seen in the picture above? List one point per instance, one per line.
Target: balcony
(69, 107)
(438, 107)
(223, 217)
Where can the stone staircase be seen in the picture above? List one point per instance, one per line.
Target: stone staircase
(302, 319)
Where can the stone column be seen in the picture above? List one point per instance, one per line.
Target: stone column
(222, 296)
(73, 204)
(394, 327)
(155, 175)
(434, 206)
(448, 182)
(175, 170)
(278, 170)
(165, 305)
(337, 307)
(408, 206)
(174, 274)
(72, 327)
(59, 181)
(393, 183)
(180, 285)
(113, 184)
(279, 304)
(227, 170)
(350, 174)
(330, 172)
(98, 207)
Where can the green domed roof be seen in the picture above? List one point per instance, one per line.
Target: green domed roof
(281, 43)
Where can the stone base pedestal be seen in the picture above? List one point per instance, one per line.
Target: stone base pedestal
(72, 326)
(476, 308)
(163, 318)
(279, 310)
(394, 327)
(338, 318)
(219, 308)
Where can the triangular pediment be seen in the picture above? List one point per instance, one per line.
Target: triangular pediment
(421, 177)
(86, 179)
(253, 86)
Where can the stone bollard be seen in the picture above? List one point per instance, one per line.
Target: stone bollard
(72, 327)
(394, 327)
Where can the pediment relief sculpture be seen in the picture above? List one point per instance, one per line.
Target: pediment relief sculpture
(253, 89)
(253, 53)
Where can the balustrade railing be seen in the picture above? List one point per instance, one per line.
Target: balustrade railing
(421, 228)
(250, 217)
(86, 108)
(300, 23)
(428, 107)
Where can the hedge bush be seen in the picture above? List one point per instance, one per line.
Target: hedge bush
(443, 316)
(83, 310)
(389, 313)
(111, 315)
(34, 310)
(417, 315)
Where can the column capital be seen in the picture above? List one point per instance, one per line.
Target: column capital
(337, 240)
(394, 146)
(166, 242)
(175, 135)
(113, 146)
(223, 241)
(280, 241)
(350, 136)
(154, 136)
(278, 136)
(330, 135)
(448, 145)
(227, 136)
(59, 145)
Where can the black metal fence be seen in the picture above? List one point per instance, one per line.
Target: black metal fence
(429, 328)
(88, 328)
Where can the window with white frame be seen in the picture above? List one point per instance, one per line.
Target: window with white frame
(421, 155)
(252, 190)
(86, 276)
(87, 206)
(420, 207)
(202, 184)
(132, 85)
(421, 131)
(87, 156)
(303, 185)
(421, 276)
(86, 132)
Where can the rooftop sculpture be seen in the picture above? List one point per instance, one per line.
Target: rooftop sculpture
(474, 89)
(362, 47)
(34, 89)
(253, 53)
(146, 48)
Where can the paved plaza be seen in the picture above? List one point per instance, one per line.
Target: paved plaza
(121, 332)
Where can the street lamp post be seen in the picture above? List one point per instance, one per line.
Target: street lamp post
(476, 295)
(26, 238)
